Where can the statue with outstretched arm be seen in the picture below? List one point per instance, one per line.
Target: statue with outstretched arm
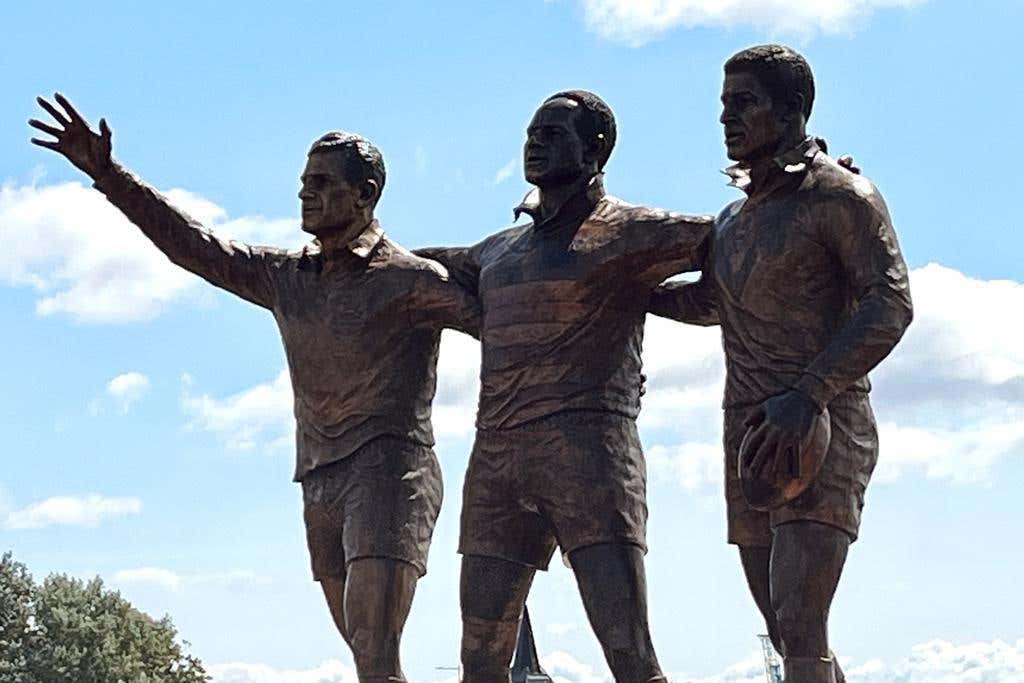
(805, 276)
(557, 460)
(360, 319)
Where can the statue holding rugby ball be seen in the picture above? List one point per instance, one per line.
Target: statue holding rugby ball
(806, 279)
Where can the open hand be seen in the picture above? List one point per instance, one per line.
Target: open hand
(782, 425)
(87, 150)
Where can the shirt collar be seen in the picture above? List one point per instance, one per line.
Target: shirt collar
(363, 245)
(585, 199)
(359, 249)
(795, 160)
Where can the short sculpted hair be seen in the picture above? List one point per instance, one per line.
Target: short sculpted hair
(361, 160)
(596, 119)
(780, 69)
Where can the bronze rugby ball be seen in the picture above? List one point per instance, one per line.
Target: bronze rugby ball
(776, 486)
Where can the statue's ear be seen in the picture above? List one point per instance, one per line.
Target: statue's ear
(596, 148)
(369, 193)
(795, 106)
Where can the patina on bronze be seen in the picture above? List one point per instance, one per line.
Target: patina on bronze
(557, 458)
(360, 318)
(806, 278)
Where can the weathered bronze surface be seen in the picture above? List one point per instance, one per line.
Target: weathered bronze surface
(360, 318)
(805, 276)
(556, 458)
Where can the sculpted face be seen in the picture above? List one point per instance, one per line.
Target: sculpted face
(554, 153)
(329, 202)
(754, 126)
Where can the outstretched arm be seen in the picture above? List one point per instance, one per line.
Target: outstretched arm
(462, 264)
(236, 267)
(437, 300)
(687, 302)
(664, 243)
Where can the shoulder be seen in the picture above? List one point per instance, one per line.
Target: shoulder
(276, 256)
(614, 210)
(502, 239)
(839, 188)
(394, 259)
(730, 210)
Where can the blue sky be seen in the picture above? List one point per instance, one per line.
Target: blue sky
(147, 423)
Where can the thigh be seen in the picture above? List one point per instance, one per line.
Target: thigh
(747, 527)
(498, 520)
(590, 480)
(392, 502)
(836, 497)
(322, 495)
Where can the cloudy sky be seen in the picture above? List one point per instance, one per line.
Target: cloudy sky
(147, 416)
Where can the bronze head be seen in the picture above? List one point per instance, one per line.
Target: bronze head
(570, 136)
(341, 184)
(766, 101)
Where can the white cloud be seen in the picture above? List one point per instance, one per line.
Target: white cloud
(153, 576)
(505, 172)
(636, 22)
(937, 661)
(172, 581)
(565, 668)
(127, 389)
(950, 399)
(261, 416)
(562, 628)
(458, 385)
(330, 671)
(84, 511)
(87, 261)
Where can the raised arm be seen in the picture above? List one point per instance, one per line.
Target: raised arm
(236, 267)
(861, 235)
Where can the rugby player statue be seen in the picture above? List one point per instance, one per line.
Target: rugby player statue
(805, 277)
(360, 319)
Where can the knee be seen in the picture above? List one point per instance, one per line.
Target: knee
(794, 610)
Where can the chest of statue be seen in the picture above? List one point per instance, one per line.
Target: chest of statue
(771, 251)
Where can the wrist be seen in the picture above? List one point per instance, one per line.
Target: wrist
(105, 174)
(814, 390)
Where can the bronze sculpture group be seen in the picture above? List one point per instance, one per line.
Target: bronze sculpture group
(804, 276)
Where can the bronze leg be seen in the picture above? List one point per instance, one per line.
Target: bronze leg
(613, 586)
(378, 595)
(492, 595)
(807, 561)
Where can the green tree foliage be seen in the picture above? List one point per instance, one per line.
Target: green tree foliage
(70, 631)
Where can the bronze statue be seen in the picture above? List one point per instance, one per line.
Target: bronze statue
(557, 458)
(360, 318)
(806, 279)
